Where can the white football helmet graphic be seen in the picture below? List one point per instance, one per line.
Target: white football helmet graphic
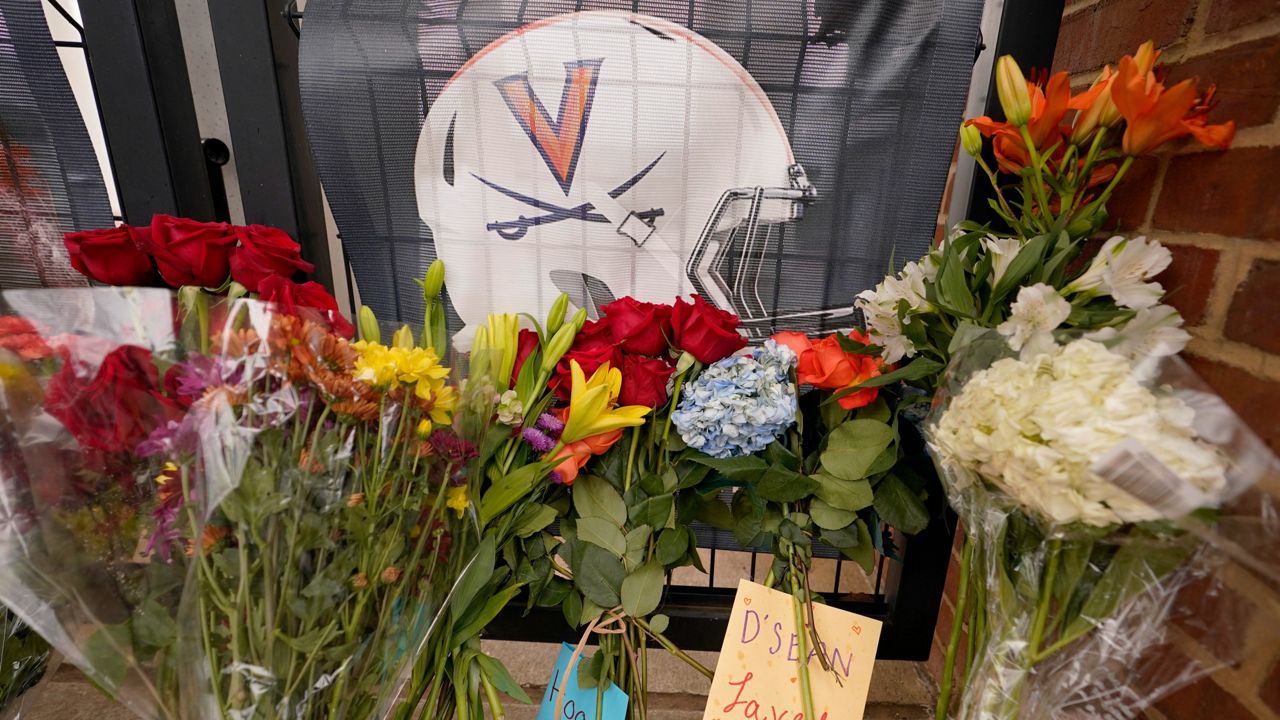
(606, 154)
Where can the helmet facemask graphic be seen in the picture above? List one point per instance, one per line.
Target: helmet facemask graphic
(587, 154)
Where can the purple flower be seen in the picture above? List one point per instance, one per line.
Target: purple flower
(170, 439)
(451, 447)
(538, 440)
(550, 424)
(201, 372)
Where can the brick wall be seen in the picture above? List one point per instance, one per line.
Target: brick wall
(1219, 213)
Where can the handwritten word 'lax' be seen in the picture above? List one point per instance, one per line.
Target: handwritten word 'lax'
(754, 710)
(753, 624)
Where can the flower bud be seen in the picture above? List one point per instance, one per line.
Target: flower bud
(368, 323)
(360, 581)
(558, 345)
(433, 282)
(579, 320)
(1015, 97)
(355, 499)
(235, 291)
(1146, 57)
(971, 139)
(685, 362)
(188, 297)
(403, 338)
(555, 318)
(391, 574)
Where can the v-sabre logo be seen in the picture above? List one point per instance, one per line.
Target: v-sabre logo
(558, 139)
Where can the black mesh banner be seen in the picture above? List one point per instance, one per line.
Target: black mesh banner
(50, 182)
(773, 156)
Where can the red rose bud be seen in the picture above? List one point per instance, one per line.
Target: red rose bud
(113, 256)
(290, 298)
(639, 327)
(265, 251)
(644, 381)
(526, 343)
(190, 252)
(705, 332)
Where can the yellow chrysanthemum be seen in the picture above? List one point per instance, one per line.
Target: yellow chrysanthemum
(591, 410)
(376, 365)
(418, 364)
(458, 500)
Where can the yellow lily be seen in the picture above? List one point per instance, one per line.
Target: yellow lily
(591, 410)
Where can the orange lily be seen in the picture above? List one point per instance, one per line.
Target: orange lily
(1156, 115)
(1048, 106)
(575, 455)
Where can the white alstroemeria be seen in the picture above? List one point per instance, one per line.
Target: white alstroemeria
(1154, 332)
(1122, 268)
(509, 408)
(1002, 251)
(1034, 428)
(1037, 312)
(879, 306)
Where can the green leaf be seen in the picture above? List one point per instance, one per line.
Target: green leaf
(107, 653)
(654, 511)
(474, 577)
(599, 576)
(507, 490)
(854, 446)
(1134, 569)
(152, 626)
(953, 286)
(918, 369)
(659, 623)
(594, 497)
(742, 470)
(782, 485)
(534, 518)
(494, 605)
(899, 506)
(642, 590)
(844, 494)
(572, 608)
(673, 543)
(637, 546)
(877, 410)
(830, 518)
(602, 533)
(748, 516)
(715, 513)
(864, 552)
(501, 679)
(1028, 258)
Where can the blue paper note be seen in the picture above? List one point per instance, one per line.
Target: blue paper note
(579, 702)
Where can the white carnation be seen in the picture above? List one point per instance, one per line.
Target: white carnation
(1033, 428)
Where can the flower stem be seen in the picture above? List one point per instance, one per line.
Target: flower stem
(671, 648)
(806, 690)
(631, 458)
(1041, 196)
(953, 642)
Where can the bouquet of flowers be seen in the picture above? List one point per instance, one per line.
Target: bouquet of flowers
(1092, 490)
(233, 513)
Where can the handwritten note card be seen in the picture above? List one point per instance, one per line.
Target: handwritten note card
(756, 675)
(579, 702)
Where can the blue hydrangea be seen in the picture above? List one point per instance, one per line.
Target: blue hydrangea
(738, 405)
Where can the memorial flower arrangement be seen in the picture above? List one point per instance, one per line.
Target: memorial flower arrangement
(1087, 465)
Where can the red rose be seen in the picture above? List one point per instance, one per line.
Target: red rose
(705, 332)
(525, 345)
(593, 346)
(115, 409)
(113, 256)
(190, 252)
(291, 297)
(639, 327)
(265, 251)
(644, 381)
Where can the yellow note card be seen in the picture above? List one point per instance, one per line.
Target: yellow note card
(757, 675)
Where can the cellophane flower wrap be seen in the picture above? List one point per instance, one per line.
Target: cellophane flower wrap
(223, 513)
(1101, 499)
(24, 660)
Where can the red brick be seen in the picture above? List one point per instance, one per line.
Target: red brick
(1231, 14)
(1188, 280)
(1204, 699)
(1101, 33)
(1127, 209)
(1269, 690)
(1248, 80)
(1255, 307)
(1229, 193)
(1253, 398)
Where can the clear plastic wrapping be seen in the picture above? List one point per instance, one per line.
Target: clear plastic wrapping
(204, 510)
(1104, 504)
(24, 660)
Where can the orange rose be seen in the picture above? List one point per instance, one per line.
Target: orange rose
(824, 364)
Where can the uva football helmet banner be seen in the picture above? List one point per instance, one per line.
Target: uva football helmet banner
(771, 156)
